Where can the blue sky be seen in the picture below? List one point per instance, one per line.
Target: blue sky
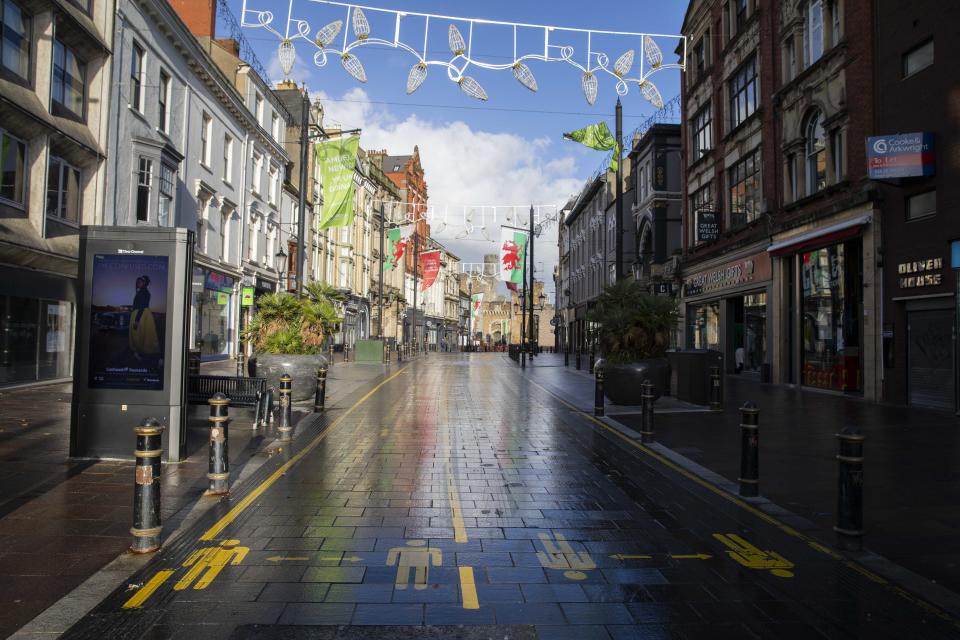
(505, 151)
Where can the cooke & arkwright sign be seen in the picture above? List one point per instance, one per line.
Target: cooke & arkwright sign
(755, 268)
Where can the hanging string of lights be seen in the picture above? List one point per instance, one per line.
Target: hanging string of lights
(590, 63)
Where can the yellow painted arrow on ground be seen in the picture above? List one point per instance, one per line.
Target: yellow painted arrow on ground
(321, 558)
(675, 556)
(283, 558)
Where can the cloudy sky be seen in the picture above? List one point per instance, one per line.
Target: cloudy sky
(505, 151)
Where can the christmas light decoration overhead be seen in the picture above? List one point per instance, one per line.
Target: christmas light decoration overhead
(591, 63)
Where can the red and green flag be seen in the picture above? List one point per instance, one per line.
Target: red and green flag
(513, 245)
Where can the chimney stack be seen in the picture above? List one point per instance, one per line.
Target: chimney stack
(200, 16)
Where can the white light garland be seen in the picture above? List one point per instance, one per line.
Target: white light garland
(593, 63)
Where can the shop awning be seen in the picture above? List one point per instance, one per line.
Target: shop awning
(820, 237)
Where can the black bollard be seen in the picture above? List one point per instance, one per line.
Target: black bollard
(193, 362)
(320, 398)
(146, 492)
(386, 353)
(399, 353)
(346, 353)
(218, 471)
(598, 392)
(593, 361)
(523, 359)
(716, 403)
(749, 450)
(850, 490)
(286, 407)
(647, 399)
(578, 359)
(330, 354)
(566, 358)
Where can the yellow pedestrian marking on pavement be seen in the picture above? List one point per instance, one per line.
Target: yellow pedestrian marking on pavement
(247, 500)
(206, 564)
(141, 596)
(790, 531)
(751, 557)
(468, 587)
(416, 556)
(675, 556)
(456, 511)
(558, 554)
(292, 558)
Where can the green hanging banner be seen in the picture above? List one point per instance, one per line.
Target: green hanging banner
(337, 159)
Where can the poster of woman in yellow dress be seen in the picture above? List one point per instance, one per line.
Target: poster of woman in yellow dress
(143, 329)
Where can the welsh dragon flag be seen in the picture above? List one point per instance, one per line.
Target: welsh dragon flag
(513, 245)
(475, 301)
(397, 240)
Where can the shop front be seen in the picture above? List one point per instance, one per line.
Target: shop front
(213, 312)
(725, 309)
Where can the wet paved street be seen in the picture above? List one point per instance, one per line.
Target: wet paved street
(458, 492)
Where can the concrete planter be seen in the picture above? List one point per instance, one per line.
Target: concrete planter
(621, 383)
(303, 370)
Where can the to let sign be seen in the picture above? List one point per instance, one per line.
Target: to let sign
(708, 226)
(908, 155)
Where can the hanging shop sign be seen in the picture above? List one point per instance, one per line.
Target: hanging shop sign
(246, 297)
(663, 288)
(920, 273)
(708, 226)
(752, 269)
(908, 155)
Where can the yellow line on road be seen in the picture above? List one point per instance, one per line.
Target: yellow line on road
(469, 588)
(850, 564)
(239, 508)
(147, 590)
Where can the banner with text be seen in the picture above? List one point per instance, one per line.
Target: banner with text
(431, 267)
(337, 159)
(513, 244)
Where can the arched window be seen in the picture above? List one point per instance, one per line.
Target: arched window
(816, 151)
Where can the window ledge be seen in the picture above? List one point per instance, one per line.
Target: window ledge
(66, 223)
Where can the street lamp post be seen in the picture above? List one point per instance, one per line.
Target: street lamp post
(383, 223)
(618, 272)
(532, 288)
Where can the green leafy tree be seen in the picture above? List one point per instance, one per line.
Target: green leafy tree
(291, 324)
(633, 324)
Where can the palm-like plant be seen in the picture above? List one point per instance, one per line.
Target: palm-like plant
(288, 324)
(633, 324)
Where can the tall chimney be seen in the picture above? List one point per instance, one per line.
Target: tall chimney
(200, 16)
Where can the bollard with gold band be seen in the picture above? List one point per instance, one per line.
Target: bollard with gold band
(647, 399)
(386, 352)
(598, 390)
(146, 492)
(716, 395)
(749, 450)
(330, 353)
(218, 470)
(593, 361)
(320, 398)
(241, 363)
(285, 427)
(849, 525)
(346, 353)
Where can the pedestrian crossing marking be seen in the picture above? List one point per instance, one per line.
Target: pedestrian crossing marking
(558, 554)
(144, 593)
(751, 557)
(417, 556)
(206, 564)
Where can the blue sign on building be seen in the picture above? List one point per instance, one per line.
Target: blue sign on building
(908, 155)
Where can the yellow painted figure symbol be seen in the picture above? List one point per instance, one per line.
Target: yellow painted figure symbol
(210, 562)
(749, 556)
(558, 554)
(415, 556)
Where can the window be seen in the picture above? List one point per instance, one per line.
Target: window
(164, 104)
(275, 126)
(792, 176)
(273, 185)
(68, 78)
(743, 92)
(63, 190)
(144, 182)
(257, 173)
(206, 127)
(258, 108)
(227, 157)
(136, 77)
(814, 32)
(254, 240)
(836, 153)
(922, 205)
(13, 153)
(739, 15)
(835, 22)
(744, 181)
(15, 50)
(790, 60)
(816, 145)
(918, 58)
(165, 201)
(225, 235)
(702, 133)
(699, 57)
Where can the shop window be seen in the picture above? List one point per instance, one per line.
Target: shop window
(702, 132)
(922, 205)
(744, 181)
(743, 92)
(703, 326)
(144, 183)
(13, 169)
(816, 150)
(20, 328)
(136, 77)
(69, 79)
(56, 340)
(918, 58)
(63, 190)
(831, 312)
(15, 49)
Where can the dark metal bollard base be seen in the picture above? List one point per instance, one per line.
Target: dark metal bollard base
(145, 540)
(749, 488)
(849, 540)
(219, 484)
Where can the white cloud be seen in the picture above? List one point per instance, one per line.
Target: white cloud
(468, 167)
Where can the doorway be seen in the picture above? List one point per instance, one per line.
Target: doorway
(930, 358)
